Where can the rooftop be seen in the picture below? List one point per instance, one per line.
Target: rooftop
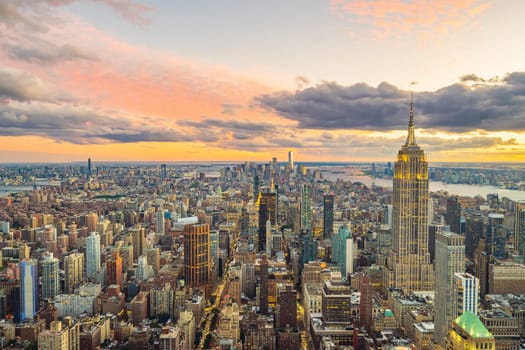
(471, 324)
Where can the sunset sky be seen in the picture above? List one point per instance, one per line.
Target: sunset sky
(209, 80)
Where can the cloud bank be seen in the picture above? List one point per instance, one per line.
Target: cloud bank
(455, 108)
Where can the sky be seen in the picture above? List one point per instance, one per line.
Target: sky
(237, 80)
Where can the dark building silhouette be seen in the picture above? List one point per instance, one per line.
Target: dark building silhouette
(473, 233)
(267, 205)
(328, 216)
(453, 216)
(263, 284)
(287, 307)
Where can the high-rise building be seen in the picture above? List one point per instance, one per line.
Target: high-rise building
(290, 160)
(163, 171)
(197, 255)
(344, 250)
(89, 169)
(365, 303)
(519, 229)
(328, 216)
(138, 238)
(267, 211)
(450, 259)
(263, 284)
(50, 280)
(306, 208)
(153, 255)
(73, 271)
(411, 268)
(114, 269)
(465, 294)
(91, 222)
(473, 233)
(496, 236)
(28, 289)
(92, 255)
(286, 307)
(453, 215)
(160, 221)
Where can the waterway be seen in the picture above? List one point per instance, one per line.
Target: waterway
(7, 190)
(434, 186)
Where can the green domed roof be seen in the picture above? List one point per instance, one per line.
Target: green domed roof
(471, 324)
(389, 313)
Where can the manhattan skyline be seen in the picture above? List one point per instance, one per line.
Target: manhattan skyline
(231, 81)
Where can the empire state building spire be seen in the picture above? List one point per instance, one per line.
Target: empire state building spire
(411, 138)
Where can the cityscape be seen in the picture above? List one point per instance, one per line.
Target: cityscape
(203, 175)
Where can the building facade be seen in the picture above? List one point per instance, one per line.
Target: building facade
(197, 255)
(450, 259)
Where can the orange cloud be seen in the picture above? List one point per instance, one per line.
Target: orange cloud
(392, 17)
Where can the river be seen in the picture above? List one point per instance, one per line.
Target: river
(434, 186)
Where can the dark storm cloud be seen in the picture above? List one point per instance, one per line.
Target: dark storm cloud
(457, 108)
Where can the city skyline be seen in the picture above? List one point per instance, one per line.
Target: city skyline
(330, 80)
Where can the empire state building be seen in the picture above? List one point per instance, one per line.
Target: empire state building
(409, 266)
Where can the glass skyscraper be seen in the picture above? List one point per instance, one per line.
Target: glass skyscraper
(28, 289)
(92, 255)
(50, 280)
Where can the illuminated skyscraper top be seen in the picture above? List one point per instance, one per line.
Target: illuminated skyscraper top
(409, 267)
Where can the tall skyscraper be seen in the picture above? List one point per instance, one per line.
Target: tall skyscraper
(267, 211)
(496, 236)
(453, 215)
(290, 160)
(343, 250)
(50, 280)
(519, 229)
(92, 221)
(465, 293)
(163, 171)
(89, 169)
(92, 255)
(28, 289)
(450, 259)
(73, 271)
(160, 221)
(328, 216)
(114, 269)
(138, 238)
(197, 255)
(410, 267)
(306, 207)
(263, 284)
